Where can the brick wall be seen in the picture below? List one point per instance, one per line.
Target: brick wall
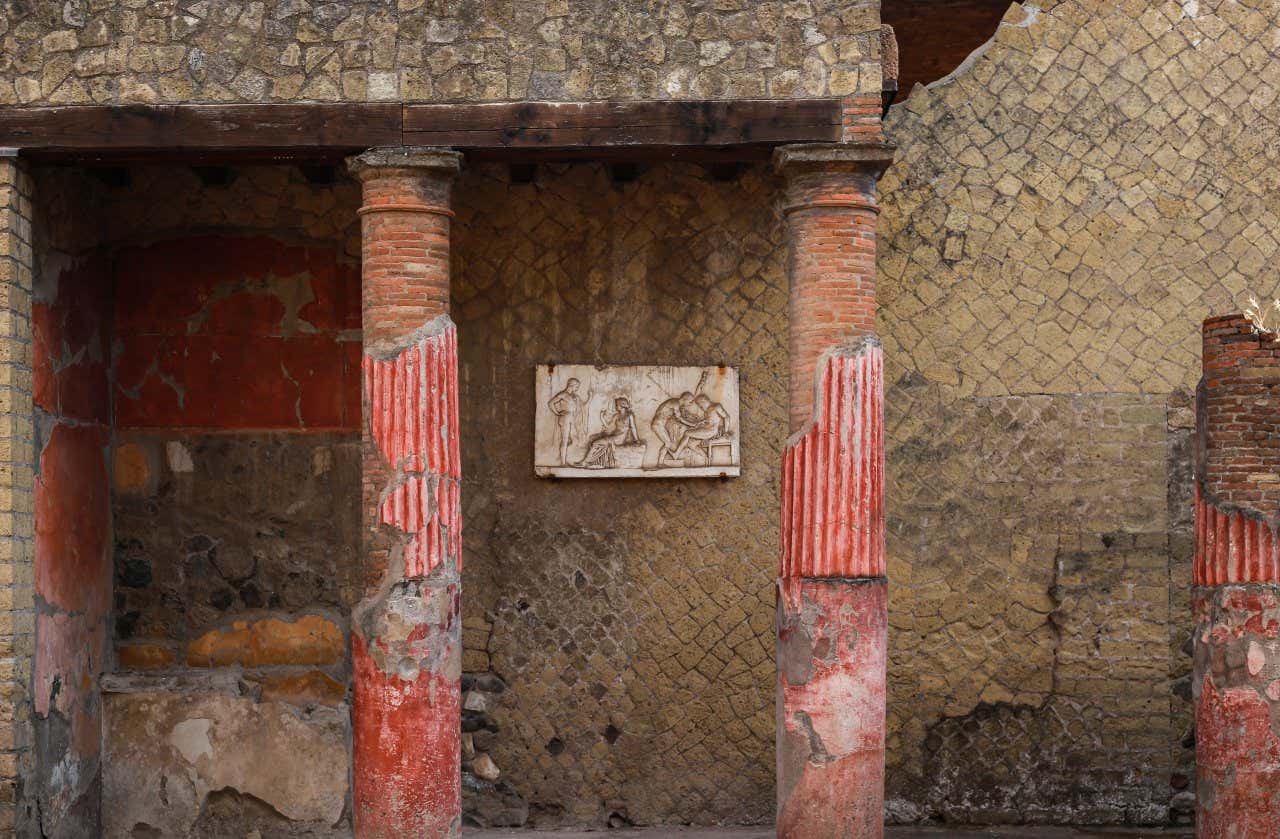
(1240, 429)
(17, 548)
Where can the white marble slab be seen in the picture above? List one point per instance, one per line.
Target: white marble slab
(636, 421)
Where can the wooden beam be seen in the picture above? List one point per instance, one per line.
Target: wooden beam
(126, 128)
(744, 129)
(568, 125)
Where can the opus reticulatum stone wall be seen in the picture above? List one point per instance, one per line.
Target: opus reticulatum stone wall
(1064, 211)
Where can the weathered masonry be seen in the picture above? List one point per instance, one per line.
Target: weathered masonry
(276, 277)
(209, 636)
(1237, 581)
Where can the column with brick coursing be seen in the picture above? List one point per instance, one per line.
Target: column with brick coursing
(832, 591)
(1236, 594)
(17, 540)
(405, 635)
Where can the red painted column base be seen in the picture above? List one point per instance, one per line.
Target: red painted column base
(832, 636)
(1237, 697)
(405, 713)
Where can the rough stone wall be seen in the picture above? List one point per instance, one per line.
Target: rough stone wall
(1064, 211)
(236, 532)
(631, 621)
(106, 51)
(235, 559)
(17, 548)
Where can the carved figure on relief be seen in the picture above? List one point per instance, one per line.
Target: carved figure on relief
(570, 418)
(691, 412)
(619, 433)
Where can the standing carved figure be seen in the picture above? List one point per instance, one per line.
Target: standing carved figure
(570, 416)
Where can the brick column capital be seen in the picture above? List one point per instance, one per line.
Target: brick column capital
(406, 216)
(832, 176)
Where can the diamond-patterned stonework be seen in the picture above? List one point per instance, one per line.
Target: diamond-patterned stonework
(1064, 211)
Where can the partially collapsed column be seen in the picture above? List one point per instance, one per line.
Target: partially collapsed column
(832, 591)
(1236, 599)
(405, 634)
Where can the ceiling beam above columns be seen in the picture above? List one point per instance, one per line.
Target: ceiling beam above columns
(715, 130)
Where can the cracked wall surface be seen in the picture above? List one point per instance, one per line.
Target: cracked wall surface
(116, 51)
(1064, 211)
(71, 307)
(226, 327)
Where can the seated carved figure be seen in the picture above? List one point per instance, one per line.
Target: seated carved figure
(618, 429)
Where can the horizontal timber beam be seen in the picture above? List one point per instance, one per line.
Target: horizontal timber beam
(715, 130)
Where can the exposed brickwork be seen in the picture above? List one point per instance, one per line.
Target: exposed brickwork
(433, 50)
(17, 543)
(830, 210)
(831, 688)
(1239, 410)
(406, 642)
(860, 118)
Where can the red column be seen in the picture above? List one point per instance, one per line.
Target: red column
(405, 634)
(832, 591)
(1236, 598)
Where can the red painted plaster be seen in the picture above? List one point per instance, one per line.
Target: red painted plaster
(407, 743)
(1237, 765)
(236, 332)
(72, 519)
(833, 474)
(71, 346)
(831, 699)
(413, 411)
(72, 574)
(1233, 545)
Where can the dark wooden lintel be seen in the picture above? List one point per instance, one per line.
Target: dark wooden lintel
(725, 130)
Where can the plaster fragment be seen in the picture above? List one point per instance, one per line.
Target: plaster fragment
(179, 458)
(191, 739)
